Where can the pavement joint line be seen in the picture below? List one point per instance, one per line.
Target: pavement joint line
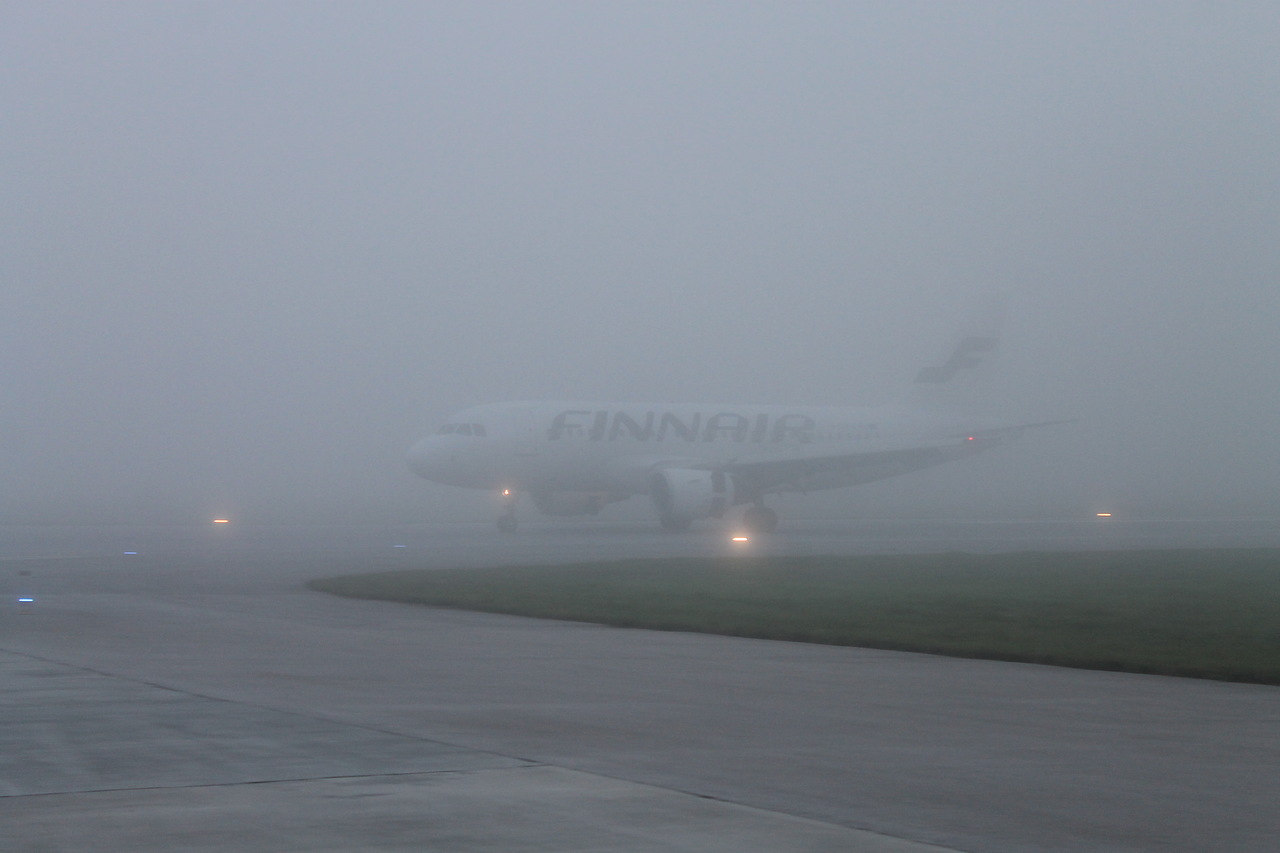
(482, 771)
(282, 781)
(485, 771)
(261, 707)
(528, 763)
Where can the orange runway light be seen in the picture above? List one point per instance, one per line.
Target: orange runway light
(222, 521)
(1103, 515)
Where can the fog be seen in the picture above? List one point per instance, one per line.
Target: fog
(251, 252)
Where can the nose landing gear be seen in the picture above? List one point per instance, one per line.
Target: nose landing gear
(507, 522)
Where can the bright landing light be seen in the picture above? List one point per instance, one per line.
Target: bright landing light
(222, 521)
(740, 539)
(1103, 514)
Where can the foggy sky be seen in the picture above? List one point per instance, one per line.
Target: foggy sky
(252, 251)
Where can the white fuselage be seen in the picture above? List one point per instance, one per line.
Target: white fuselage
(614, 447)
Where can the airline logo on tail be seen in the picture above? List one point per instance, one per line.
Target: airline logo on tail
(967, 355)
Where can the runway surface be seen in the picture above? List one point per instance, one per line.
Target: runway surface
(193, 695)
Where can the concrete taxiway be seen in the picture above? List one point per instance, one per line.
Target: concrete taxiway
(193, 695)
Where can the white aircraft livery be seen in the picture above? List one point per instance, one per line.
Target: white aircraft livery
(697, 461)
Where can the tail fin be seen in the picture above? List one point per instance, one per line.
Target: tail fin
(969, 353)
(955, 379)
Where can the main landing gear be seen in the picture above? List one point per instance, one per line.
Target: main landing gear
(674, 523)
(760, 519)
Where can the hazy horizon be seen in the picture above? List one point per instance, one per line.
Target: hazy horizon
(252, 252)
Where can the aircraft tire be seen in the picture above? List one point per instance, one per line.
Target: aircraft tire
(760, 519)
(508, 523)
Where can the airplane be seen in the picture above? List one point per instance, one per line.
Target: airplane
(697, 461)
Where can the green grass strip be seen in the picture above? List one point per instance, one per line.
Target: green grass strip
(1199, 613)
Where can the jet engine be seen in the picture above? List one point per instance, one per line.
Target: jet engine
(682, 495)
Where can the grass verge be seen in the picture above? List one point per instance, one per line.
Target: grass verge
(1199, 613)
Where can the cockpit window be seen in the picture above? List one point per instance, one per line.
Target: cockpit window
(478, 429)
(446, 429)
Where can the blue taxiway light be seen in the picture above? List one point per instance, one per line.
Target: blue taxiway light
(131, 552)
(25, 600)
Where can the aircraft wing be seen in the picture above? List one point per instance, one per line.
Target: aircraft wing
(820, 468)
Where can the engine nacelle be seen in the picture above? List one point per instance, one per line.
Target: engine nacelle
(573, 503)
(685, 494)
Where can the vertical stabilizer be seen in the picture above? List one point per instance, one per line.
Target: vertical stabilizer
(956, 378)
